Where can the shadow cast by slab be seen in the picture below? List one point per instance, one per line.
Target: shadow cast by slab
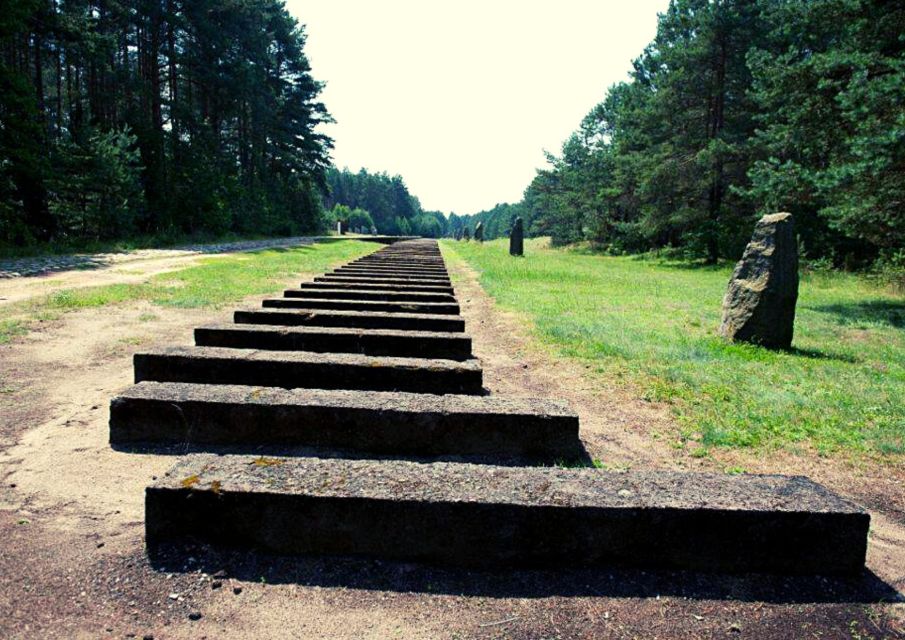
(376, 575)
(581, 457)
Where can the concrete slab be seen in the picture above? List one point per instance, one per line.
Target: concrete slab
(371, 342)
(442, 308)
(479, 515)
(360, 319)
(411, 272)
(384, 279)
(438, 277)
(381, 423)
(385, 295)
(303, 369)
(326, 282)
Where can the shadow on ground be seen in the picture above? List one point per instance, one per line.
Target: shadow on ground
(51, 264)
(359, 573)
(816, 354)
(580, 458)
(886, 312)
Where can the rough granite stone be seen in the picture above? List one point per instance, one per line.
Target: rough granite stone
(759, 306)
(517, 238)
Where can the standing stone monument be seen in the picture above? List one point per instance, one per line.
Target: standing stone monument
(339, 227)
(479, 232)
(759, 306)
(517, 238)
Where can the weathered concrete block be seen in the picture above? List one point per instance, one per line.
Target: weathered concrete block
(382, 423)
(759, 306)
(385, 279)
(406, 265)
(404, 277)
(443, 308)
(360, 284)
(415, 271)
(400, 272)
(401, 259)
(359, 319)
(370, 342)
(303, 369)
(476, 515)
(386, 295)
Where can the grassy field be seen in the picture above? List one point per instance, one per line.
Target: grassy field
(212, 283)
(653, 324)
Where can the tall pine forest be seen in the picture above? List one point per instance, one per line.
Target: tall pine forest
(159, 117)
(736, 109)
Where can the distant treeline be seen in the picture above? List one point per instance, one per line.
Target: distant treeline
(497, 221)
(156, 117)
(738, 108)
(386, 201)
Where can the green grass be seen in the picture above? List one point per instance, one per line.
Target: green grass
(653, 324)
(212, 283)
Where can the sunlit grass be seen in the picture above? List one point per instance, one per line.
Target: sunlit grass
(212, 283)
(654, 325)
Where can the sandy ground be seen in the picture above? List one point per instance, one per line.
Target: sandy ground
(25, 288)
(53, 273)
(73, 564)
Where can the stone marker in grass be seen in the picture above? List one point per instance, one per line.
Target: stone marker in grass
(517, 238)
(759, 306)
(479, 232)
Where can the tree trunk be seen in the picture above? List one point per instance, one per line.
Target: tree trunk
(715, 194)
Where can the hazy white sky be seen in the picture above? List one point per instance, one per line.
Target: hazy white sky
(461, 98)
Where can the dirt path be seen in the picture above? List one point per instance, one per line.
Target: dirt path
(72, 561)
(33, 277)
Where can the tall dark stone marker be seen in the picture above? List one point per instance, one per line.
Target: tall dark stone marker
(759, 306)
(479, 232)
(517, 238)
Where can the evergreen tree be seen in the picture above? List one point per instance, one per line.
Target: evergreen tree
(217, 96)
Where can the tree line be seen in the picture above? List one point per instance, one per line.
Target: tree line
(166, 117)
(384, 200)
(736, 109)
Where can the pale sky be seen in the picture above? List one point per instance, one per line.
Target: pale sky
(461, 98)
